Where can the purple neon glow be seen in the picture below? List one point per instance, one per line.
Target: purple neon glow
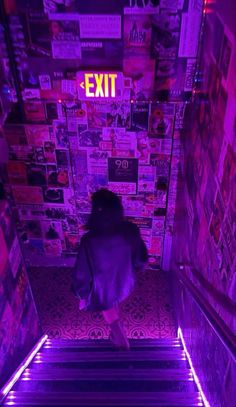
(13, 379)
(195, 376)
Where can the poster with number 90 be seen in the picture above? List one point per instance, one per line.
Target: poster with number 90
(122, 169)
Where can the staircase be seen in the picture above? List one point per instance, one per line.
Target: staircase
(91, 373)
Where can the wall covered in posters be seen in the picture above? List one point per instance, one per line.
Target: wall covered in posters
(205, 227)
(104, 97)
(209, 169)
(7, 88)
(19, 326)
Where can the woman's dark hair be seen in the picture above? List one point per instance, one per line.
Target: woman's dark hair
(107, 211)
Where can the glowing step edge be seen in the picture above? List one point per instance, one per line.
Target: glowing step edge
(197, 381)
(16, 375)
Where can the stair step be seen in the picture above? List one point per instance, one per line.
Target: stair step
(107, 374)
(134, 343)
(62, 356)
(108, 346)
(91, 373)
(101, 399)
(112, 385)
(113, 363)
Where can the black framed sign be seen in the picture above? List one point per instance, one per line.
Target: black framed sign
(122, 169)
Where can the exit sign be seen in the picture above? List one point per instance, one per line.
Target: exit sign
(100, 85)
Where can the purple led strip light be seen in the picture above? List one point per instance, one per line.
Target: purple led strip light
(10, 383)
(197, 381)
(16, 375)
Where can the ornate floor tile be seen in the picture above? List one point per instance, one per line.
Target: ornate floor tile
(147, 313)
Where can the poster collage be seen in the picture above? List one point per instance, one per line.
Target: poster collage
(209, 171)
(17, 309)
(68, 146)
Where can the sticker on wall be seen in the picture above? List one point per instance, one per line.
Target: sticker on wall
(72, 242)
(62, 157)
(34, 111)
(156, 245)
(36, 174)
(141, 7)
(165, 34)
(15, 134)
(97, 114)
(52, 230)
(79, 160)
(158, 226)
(119, 115)
(141, 71)
(97, 161)
(123, 188)
(89, 138)
(100, 26)
(146, 235)
(38, 134)
(143, 151)
(87, 184)
(139, 116)
(21, 153)
(189, 36)
(172, 4)
(28, 94)
(171, 77)
(65, 39)
(49, 152)
(126, 143)
(39, 154)
(162, 164)
(58, 6)
(53, 195)
(160, 124)
(143, 223)
(45, 82)
(146, 173)
(137, 32)
(113, 134)
(31, 229)
(60, 133)
(133, 205)
(57, 176)
(51, 109)
(27, 195)
(145, 186)
(17, 172)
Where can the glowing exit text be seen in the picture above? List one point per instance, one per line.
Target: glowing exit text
(103, 85)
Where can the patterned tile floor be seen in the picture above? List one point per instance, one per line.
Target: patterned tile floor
(147, 313)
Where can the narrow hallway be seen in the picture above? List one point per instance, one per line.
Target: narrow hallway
(118, 155)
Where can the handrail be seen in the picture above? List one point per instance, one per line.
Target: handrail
(222, 299)
(218, 325)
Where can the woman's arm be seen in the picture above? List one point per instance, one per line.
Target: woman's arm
(82, 276)
(139, 250)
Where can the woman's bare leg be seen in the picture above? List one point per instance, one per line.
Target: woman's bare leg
(111, 315)
(117, 336)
